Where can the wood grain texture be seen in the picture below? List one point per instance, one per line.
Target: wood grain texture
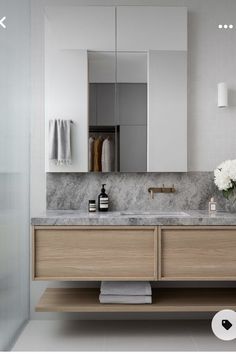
(164, 300)
(158, 253)
(95, 253)
(86, 227)
(33, 253)
(198, 253)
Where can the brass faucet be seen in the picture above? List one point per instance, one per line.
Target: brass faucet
(162, 189)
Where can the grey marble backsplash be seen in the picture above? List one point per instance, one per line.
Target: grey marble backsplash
(129, 191)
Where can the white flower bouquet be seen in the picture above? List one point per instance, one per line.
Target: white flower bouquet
(225, 178)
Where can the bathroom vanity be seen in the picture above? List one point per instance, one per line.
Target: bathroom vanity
(189, 247)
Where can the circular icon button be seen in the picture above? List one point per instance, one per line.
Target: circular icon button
(224, 324)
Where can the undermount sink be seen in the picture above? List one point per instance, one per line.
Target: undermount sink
(155, 213)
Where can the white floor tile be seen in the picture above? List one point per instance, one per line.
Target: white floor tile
(205, 340)
(148, 336)
(165, 335)
(62, 336)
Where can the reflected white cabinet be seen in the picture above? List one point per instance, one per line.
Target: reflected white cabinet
(125, 67)
(133, 156)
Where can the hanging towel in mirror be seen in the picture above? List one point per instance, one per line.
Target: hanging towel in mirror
(98, 154)
(60, 141)
(91, 153)
(107, 155)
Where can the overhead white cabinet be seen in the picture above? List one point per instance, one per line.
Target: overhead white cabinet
(83, 27)
(142, 28)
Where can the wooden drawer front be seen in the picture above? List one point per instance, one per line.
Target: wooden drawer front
(95, 254)
(198, 254)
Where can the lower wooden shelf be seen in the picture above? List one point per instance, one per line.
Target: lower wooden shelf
(163, 300)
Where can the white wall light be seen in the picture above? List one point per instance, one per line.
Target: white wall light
(222, 95)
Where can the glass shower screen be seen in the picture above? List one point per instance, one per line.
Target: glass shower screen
(14, 167)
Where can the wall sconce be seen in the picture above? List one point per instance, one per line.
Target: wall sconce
(222, 95)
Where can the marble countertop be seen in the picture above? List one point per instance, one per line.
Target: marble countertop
(152, 218)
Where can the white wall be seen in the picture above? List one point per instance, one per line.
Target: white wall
(211, 59)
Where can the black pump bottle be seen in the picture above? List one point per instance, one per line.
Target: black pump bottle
(103, 200)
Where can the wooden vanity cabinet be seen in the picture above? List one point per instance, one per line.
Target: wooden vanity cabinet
(198, 253)
(136, 253)
(95, 253)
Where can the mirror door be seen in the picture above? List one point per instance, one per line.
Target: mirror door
(117, 111)
(103, 128)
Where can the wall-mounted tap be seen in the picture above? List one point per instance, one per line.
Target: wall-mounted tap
(162, 189)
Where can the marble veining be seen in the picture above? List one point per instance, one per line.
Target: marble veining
(129, 191)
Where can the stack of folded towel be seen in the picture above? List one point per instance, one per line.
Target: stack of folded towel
(125, 292)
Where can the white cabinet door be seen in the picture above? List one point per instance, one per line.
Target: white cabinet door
(66, 97)
(167, 115)
(82, 27)
(141, 28)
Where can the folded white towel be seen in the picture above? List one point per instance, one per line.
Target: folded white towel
(126, 288)
(60, 141)
(125, 299)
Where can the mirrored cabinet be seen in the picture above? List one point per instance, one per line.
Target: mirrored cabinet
(120, 74)
(118, 110)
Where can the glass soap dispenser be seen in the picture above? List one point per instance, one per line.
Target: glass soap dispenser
(212, 206)
(103, 200)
